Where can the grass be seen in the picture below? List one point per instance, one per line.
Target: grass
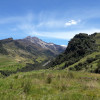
(50, 85)
(83, 60)
(9, 63)
(5, 60)
(41, 58)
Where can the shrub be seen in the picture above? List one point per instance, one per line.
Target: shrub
(63, 87)
(98, 67)
(89, 60)
(77, 67)
(70, 75)
(72, 68)
(16, 77)
(11, 85)
(49, 79)
(27, 86)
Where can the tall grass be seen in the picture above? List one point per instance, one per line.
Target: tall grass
(50, 85)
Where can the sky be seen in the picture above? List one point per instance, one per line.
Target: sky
(54, 21)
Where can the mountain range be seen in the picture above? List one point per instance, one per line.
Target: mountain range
(31, 53)
(28, 50)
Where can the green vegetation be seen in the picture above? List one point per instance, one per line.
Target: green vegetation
(77, 81)
(2, 50)
(8, 64)
(50, 85)
(98, 67)
(82, 53)
(15, 54)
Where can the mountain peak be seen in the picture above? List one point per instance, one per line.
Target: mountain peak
(50, 46)
(7, 40)
(35, 38)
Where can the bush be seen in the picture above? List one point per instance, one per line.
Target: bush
(49, 79)
(98, 67)
(89, 60)
(70, 75)
(16, 77)
(27, 86)
(77, 67)
(63, 87)
(11, 85)
(72, 68)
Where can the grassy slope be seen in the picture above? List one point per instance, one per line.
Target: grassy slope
(50, 85)
(83, 60)
(8, 63)
(93, 55)
(12, 63)
(17, 57)
(19, 54)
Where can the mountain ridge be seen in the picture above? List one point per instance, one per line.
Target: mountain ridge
(44, 44)
(25, 51)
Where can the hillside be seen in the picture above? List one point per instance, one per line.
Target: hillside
(82, 53)
(14, 54)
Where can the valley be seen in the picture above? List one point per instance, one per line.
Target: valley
(31, 69)
(49, 49)
(16, 54)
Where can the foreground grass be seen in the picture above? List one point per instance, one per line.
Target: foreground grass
(50, 85)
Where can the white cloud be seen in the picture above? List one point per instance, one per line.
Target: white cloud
(17, 19)
(51, 23)
(63, 35)
(31, 25)
(72, 22)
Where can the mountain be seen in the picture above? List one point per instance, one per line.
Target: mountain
(82, 53)
(17, 53)
(57, 49)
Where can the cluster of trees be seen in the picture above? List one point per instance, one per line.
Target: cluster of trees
(78, 47)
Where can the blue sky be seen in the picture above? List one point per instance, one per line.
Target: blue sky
(54, 21)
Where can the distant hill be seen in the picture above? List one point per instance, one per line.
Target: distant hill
(28, 50)
(82, 53)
